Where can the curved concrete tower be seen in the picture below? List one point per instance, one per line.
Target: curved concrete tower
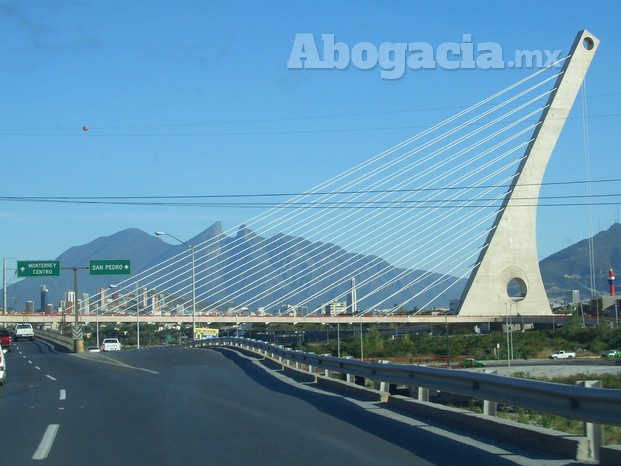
(508, 272)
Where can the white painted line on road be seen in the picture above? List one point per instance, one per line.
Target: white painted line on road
(46, 442)
(106, 360)
(37, 368)
(50, 377)
(63, 394)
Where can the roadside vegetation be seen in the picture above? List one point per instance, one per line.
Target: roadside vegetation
(459, 344)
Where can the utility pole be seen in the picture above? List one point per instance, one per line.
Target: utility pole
(78, 337)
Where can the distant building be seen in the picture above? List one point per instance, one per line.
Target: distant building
(86, 303)
(334, 308)
(153, 306)
(70, 303)
(352, 300)
(44, 296)
(102, 299)
(289, 310)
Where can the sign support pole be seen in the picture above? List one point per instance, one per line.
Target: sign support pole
(78, 340)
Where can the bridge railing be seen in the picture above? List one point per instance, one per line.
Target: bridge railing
(592, 405)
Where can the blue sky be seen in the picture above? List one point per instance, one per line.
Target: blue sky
(195, 99)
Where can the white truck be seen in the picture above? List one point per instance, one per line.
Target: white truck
(111, 344)
(562, 355)
(23, 331)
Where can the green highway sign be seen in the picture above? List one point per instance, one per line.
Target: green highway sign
(38, 268)
(110, 267)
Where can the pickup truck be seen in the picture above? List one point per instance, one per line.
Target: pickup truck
(613, 353)
(23, 331)
(562, 355)
(5, 339)
(111, 344)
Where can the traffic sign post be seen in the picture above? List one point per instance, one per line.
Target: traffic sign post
(38, 268)
(110, 267)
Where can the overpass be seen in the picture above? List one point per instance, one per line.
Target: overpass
(200, 320)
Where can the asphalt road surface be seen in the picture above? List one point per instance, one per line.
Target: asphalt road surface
(176, 406)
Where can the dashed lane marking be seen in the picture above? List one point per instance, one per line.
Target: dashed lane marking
(46, 442)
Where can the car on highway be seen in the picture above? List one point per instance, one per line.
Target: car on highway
(111, 344)
(471, 362)
(6, 341)
(93, 349)
(3, 366)
(613, 353)
(23, 331)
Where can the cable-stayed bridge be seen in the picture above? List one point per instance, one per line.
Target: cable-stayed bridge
(449, 212)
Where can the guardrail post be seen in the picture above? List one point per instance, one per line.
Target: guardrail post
(351, 378)
(489, 408)
(423, 394)
(594, 432)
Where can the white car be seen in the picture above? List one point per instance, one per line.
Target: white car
(111, 344)
(23, 331)
(3, 367)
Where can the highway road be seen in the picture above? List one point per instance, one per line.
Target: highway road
(176, 406)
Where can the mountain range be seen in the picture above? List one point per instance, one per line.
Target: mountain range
(562, 272)
(569, 269)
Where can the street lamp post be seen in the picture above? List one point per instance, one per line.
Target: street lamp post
(77, 330)
(161, 233)
(338, 337)
(137, 315)
(448, 348)
(361, 341)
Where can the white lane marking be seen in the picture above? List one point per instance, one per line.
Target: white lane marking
(37, 368)
(50, 377)
(63, 394)
(105, 360)
(46, 442)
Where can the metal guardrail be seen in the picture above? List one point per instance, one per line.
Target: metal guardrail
(594, 405)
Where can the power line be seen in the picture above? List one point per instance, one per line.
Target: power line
(175, 200)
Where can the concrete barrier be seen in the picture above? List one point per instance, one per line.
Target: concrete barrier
(610, 455)
(298, 375)
(551, 441)
(350, 389)
(61, 340)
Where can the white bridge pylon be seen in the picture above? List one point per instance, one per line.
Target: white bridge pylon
(507, 271)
